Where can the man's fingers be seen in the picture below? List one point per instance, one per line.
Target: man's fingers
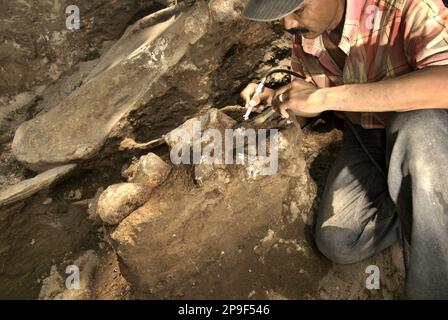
(246, 94)
(283, 105)
(261, 99)
(260, 108)
(255, 101)
(280, 102)
(284, 111)
(247, 99)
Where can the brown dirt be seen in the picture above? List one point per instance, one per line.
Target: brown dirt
(274, 271)
(277, 269)
(109, 283)
(277, 273)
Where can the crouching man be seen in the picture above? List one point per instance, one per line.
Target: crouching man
(384, 64)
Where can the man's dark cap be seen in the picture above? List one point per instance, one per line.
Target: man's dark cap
(269, 10)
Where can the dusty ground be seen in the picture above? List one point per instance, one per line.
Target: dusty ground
(278, 271)
(41, 236)
(277, 274)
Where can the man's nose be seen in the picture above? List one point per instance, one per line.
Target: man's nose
(291, 22)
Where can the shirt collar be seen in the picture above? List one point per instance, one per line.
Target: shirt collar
(349, 33)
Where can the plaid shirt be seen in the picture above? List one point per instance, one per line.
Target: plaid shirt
(382, 39)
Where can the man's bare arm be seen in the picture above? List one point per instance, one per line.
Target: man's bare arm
(422, 89)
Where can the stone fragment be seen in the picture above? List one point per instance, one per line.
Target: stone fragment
(213, 119)
(27, 188)
(54, 286)
(119, 200)
(151, 171)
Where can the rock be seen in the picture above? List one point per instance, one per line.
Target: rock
(290, 162)
(151, 171)
(210, 174)
(222, 10)
(17, 105)
(54, 286)
(119, 200)
(27, 188)
(205, 223)
(157, 67)
(213, 119)
(226, 212)
(289, 142)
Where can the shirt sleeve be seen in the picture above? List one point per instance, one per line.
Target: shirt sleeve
(426, 33)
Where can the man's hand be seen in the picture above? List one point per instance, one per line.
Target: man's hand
(260, 102)
(299, 96)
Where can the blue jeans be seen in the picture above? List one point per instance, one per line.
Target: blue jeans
(361, 213)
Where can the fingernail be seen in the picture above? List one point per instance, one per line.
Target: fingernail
(253, 103)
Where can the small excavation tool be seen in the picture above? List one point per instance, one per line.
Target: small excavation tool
(260, 89)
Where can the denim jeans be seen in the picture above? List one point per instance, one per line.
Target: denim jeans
(362, 213)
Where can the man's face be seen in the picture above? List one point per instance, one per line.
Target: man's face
(316, 16)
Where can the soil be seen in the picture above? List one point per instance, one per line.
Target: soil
(109, 283)
(278, 271)
(280, 276)
(274, 271)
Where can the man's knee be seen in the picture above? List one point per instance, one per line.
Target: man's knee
(337, 245)
(418, 126)
(338, 229)
(418, 147)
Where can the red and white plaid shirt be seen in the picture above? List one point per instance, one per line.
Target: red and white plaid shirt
(382, 39)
